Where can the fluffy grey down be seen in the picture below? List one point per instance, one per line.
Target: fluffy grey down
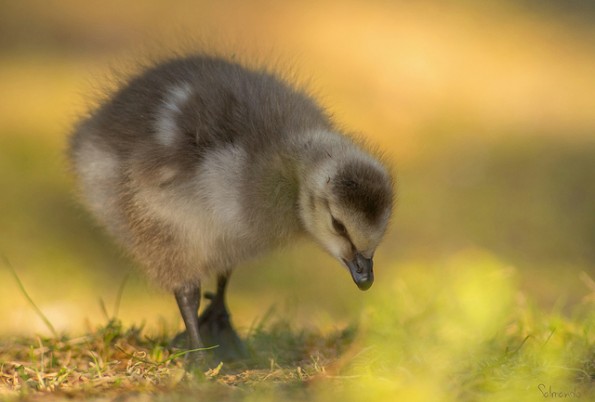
(198, 164)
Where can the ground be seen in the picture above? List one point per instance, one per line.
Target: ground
(432, 338)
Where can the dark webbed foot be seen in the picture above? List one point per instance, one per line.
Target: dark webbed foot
(216, 329)
(215, 326)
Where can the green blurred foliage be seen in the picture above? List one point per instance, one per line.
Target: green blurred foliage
(456, 333)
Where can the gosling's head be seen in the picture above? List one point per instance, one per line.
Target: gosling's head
(345, 205)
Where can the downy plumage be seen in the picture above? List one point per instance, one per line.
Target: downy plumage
(199, 164)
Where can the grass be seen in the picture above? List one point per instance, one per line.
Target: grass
(452, 330)
(112, 360)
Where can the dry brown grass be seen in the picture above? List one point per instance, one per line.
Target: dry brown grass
(114, 361)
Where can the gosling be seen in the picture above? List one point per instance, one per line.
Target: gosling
(199, 164)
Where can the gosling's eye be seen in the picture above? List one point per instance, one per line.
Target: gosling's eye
(339, 227)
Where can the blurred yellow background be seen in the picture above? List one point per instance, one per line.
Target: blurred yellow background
(487, 110)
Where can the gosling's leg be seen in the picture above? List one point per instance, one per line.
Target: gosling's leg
(215, 326)
(188, 299)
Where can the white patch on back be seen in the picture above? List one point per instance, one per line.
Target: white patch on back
(208, 208)
(169, 111)
(97, 168)
(99, 172)
(220, 180)
(166, 173)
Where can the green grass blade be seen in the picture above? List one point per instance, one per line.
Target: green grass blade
(29, 299)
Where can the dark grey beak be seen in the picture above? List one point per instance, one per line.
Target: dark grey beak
(362, 272)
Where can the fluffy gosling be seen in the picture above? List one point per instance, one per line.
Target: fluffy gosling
(199, 164)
